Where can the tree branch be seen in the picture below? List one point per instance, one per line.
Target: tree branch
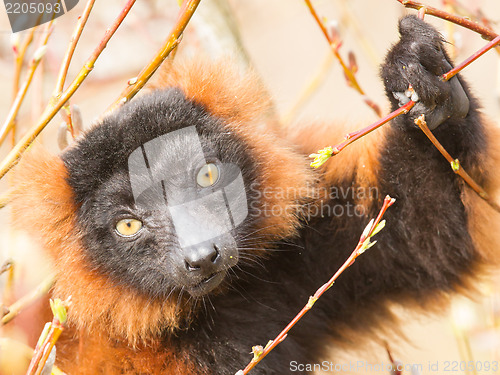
(57, 102)
(373, 227)
(470, 59)
(63, 71)
(21, 93)
(455, 164)
(486, 32)
(185, 13)
(28, 299)
(49, 337)
(348, 71)
(19, 53)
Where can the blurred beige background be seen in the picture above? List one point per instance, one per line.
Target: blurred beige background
(286, 47)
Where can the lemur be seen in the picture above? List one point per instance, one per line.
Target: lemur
(175, 225)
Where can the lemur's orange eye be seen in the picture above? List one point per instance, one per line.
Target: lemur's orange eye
(128, 227)
(207, 175)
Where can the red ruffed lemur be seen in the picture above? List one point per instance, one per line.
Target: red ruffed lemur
(182, 224)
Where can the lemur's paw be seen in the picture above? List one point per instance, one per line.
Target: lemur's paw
(413, 69)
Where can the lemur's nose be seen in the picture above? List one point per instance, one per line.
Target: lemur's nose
(202, 259)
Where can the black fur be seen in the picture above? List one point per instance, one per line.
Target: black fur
(426, 248)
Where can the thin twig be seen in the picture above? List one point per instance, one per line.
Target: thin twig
(469, 352)
(8, 288)
(351, 137)
(475, 56)
(5, 199)
(42, 354)
(185, 13)
(396, 365)
(363, 244)
(9, 268)
(323, 155)
(49, 337)
(20, 53)
(455, 164)
(349, 74)
(56, 103)
(21, 93)
(72, 117)
(63, 71)
(25, 351)
(28, 299)
(486, 32)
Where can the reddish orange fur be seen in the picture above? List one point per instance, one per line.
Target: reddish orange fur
(481, 214)
(100, 354)
(40, 180)
(99, 307)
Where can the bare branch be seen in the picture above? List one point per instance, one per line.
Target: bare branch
(323, 155)
(455, 164)
(21, 93)
(56, 103)
(186, 12)
(19, 53)
(28, 299)
(373, 227)
(49, 337)
(495, 42)
(486, 32)
(63, 72)
(348, 72)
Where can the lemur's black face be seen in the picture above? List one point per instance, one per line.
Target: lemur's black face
(164, 196)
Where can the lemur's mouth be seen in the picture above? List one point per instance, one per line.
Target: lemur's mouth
(206, 285)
